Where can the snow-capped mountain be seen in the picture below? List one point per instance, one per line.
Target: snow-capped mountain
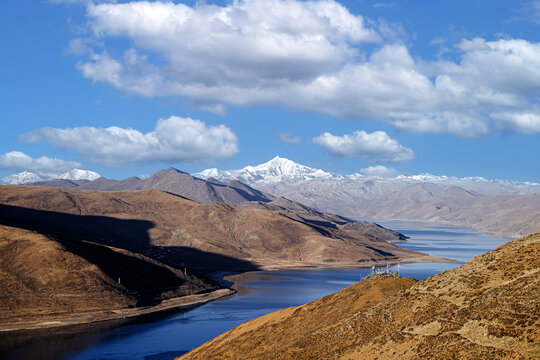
(23, 178)
(276, 170)
(281, 171)
(26, 177)
(78, 174)
(503, 206)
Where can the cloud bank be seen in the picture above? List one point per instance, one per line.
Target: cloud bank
(174, 140)
(312, 55)
(17, 161)
(376, 146)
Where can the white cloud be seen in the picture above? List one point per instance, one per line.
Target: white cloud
(174, 140)
(289, 139)
(376, 146)
(380, 171)
(309, 55)
(17, 161)
(527, 122)
(134, 73)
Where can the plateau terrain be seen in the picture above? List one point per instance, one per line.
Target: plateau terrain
(201, 237)
(487, 308)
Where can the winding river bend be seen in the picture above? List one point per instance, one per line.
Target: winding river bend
(259, 293)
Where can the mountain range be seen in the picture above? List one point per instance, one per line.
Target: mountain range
(232, 193)
(173, 181)
(203, 237)
(26, 177)
(281, 172)
(505, 207)
(499, 206)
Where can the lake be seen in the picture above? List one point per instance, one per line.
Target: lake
(259, 293)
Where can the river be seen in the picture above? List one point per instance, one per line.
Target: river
(167, 336)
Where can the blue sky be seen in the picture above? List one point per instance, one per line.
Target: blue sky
(128, 88)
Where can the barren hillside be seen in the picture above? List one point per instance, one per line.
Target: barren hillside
(183, 233)
(44, 277)
(488, 308)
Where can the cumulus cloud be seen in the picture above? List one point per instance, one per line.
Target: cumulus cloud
(174, 140)
(527, 122)
(379, 171)
(17, 161)
(309, 55)
(289, 139)
(376, 146)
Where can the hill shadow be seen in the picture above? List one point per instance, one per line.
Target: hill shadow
(85, 235)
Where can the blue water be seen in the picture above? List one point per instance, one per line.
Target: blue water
(172, 335)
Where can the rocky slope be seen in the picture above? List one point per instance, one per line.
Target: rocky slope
(488, 308)
(183, 233)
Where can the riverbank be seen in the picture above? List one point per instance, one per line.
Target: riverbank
(226, 279)
(86, 318)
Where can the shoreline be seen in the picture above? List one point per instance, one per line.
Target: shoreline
(185, 302)
(97, 318)
(455, 224)
(89, 319)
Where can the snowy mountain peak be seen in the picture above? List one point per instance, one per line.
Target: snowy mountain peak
(276, 170)
(23, 178)
(78, 174)
(26, 177)
(209, 173)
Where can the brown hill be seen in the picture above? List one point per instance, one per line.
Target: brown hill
(488, 308)
(173, 181)
(183, 233)
(42, 277)
(300, 212)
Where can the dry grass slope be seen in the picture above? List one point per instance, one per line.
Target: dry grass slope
(41, 278)
(488, 308)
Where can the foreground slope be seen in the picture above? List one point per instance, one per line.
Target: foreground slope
(488, 308)
(201, 237)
